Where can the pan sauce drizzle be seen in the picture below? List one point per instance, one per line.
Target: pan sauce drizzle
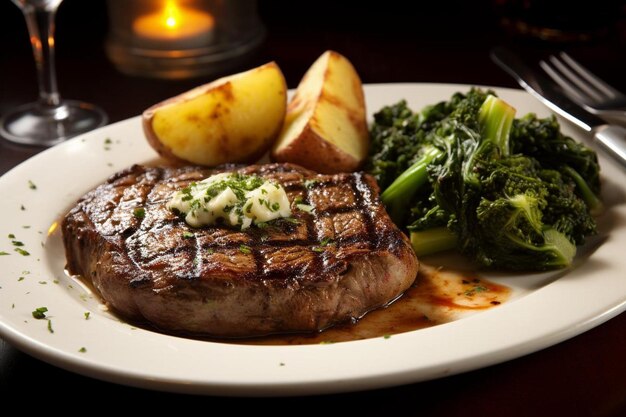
(438, 296)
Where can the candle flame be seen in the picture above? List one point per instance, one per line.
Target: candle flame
(171, 14)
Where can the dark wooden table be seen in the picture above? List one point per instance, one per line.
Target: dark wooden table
(448, 43)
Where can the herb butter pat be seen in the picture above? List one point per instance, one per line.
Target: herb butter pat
(231, 198)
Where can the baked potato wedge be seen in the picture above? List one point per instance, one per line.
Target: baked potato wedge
(325, 127)
(232, 119)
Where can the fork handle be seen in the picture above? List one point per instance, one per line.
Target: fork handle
(613, 139)
(613, 116)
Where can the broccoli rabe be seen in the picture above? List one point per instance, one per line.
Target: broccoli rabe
(542, 140)
(512, 193)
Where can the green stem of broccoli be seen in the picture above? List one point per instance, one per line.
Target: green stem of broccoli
(496, 118)
(562, 248)
(398, 195)
(437, 239)
(593, 202)
(557, 249)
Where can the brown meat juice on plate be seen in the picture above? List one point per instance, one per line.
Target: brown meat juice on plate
(438, 296)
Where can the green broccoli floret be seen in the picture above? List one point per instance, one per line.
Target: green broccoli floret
(515, 227)
(565, 210)
(543, 140)
(513, 236)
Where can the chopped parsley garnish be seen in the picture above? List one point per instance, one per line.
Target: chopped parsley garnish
(244, 249)
(82, 350)
(310, 183)
(20, 279)
(210, 251)
(187, 235)
(476, 289)
(323, 243)
(139, 213)
(40, 313)
(32, 185)
(22, 207)
(18, 246)
(305, 207)
(50, 326)
(87, 315)
(387, 336)
(2, 253)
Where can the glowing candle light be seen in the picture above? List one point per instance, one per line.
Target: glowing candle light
(176, 27)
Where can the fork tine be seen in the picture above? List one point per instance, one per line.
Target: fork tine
(565, 85)
(590, 77)
(577, 80)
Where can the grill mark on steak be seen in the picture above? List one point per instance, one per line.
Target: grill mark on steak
(314, 238)
(363, 202)
(366, 263)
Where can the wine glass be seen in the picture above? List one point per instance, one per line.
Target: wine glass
(50, 119)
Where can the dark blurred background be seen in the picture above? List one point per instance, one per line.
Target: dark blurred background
(440, 41)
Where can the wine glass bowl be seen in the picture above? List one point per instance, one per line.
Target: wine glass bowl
(49, 120)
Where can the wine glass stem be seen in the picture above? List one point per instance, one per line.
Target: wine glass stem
(40, 23)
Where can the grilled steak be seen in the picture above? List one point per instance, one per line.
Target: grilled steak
(334, 264)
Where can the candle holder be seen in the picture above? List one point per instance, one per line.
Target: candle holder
(182, 38)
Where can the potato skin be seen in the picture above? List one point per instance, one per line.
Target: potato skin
(157, 145)
(325, 127)
(306, 149)
(231, 120)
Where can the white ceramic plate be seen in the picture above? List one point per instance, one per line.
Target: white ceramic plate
(545, 308)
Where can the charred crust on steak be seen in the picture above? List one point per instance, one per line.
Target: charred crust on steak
(333, 264)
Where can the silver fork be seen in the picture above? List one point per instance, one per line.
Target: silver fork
(587, 89)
